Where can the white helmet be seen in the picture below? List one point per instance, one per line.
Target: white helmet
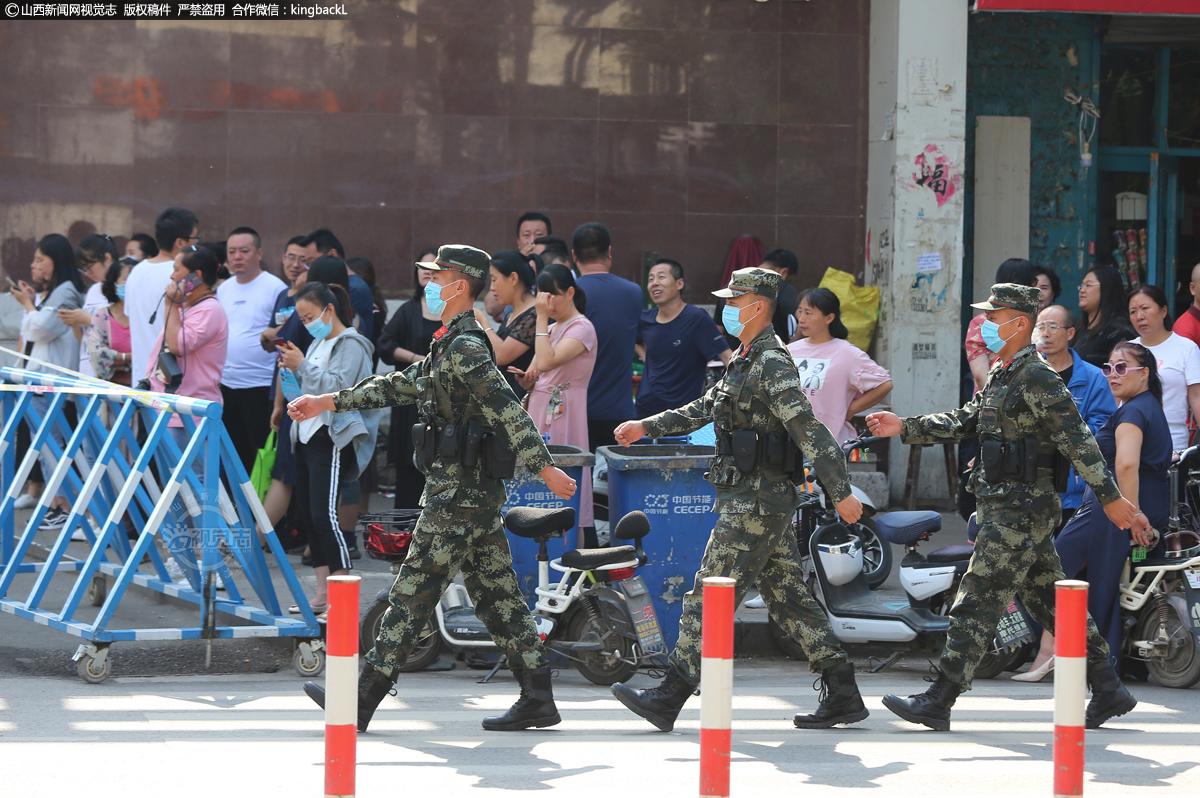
(841, 555)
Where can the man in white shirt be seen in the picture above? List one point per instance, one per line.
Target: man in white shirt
(249, 302)
(175, 229)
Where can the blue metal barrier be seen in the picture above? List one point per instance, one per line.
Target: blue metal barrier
(209, 530)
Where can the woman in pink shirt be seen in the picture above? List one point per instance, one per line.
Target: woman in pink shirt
(838, 378)
(196, 330)
(557, 380)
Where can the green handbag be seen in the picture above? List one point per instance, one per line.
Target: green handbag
(264, 464)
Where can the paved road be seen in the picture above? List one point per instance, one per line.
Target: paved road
(258, 735)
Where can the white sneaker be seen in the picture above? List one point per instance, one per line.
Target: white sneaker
(755, 603)
(78, 536)
(24, 502)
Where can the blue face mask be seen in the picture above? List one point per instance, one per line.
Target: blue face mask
(990, 331)
(121, 292)
(433, 296)
(318, 328)
(731, 320)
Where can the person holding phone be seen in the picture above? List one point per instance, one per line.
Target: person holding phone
(53, 341)
(339, 358)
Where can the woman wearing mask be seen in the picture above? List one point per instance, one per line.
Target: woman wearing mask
(108, 336)
(1104, 320)
(512, 285)
(564, 357)
(849, 381)
(406, 340)
(330, 271)
(328, 446)
(94, 256)
(52, 341)
(1178, 360)
(1136, 445)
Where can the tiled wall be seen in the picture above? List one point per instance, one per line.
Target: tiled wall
(681, 124)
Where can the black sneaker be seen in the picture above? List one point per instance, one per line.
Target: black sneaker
(54, 519)
(355, 553)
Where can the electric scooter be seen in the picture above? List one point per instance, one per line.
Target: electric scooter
(599, 615)
(832, 560)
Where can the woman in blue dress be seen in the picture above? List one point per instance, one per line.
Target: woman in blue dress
(1136, 444)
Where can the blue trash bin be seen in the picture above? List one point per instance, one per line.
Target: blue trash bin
(526, 489)
(667, 483)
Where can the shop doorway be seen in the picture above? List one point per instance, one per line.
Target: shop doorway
(1148, 186)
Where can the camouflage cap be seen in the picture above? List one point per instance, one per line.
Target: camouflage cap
(460, 258)
(1021, 298)
(763, 282)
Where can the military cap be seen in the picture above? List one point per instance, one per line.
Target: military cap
(460, 258)
(763, 282)
(1021, 298)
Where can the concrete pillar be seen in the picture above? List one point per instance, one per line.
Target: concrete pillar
(917, 107)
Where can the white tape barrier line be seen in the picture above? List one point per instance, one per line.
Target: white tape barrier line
(716, 690)
(341, 691)
(1070, 687)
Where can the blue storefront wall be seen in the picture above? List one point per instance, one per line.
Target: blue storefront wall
(1023, 65)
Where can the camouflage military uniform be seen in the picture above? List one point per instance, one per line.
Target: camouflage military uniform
(1014, 552)
(753, 539)
(460, 526)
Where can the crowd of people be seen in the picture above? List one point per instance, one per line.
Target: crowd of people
(215, 321)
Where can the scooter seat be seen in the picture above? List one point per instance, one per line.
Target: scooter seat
(536, 522)
(587, 559)
(907, 527)
(952, 553)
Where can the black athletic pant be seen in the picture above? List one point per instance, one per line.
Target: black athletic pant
(247, 417)
(318, 487)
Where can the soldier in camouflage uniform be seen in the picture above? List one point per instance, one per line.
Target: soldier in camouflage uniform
(758, 406)
(460, 526)
(1023, 416)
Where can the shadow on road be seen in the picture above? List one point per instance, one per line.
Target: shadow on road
(522, 770)
(823, 764)
(1100, 762)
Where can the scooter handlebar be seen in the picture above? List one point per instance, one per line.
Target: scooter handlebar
(862, 443)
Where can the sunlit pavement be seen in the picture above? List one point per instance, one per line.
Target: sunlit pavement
(259, 735)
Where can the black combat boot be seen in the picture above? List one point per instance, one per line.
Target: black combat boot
(534, 709)
(1109, 696)
(373, 686)
(660, 705)
(932, 707)
(840, 701)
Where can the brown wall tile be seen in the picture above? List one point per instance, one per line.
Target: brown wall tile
(642, 166)
(821, 171)
(734, 77)
(644, 74)
(732, 168)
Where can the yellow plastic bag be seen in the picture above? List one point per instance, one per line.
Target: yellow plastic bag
(860, 306)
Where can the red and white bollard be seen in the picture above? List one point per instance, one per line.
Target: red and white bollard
(716, 685)
(341, 686)
(1070, 685)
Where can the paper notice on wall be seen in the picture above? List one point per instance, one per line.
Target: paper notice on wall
(922, 81)
(931, 262)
